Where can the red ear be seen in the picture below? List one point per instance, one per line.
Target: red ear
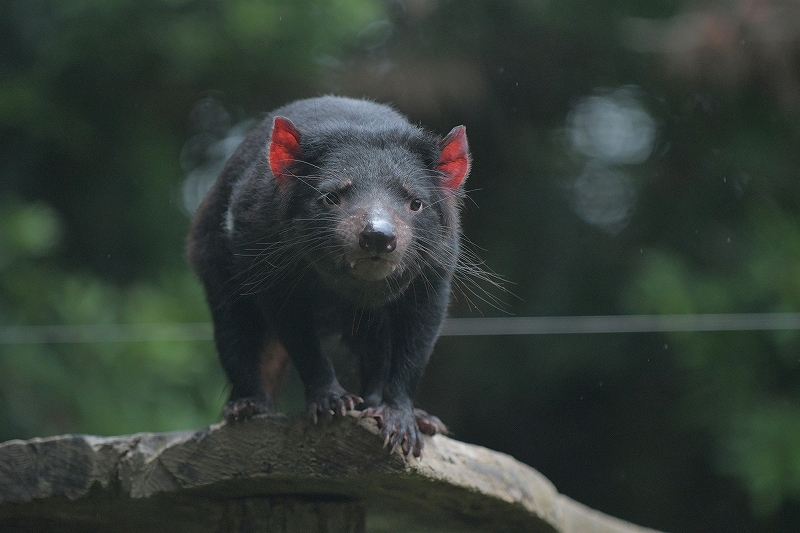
(454, 161)
(284, 148)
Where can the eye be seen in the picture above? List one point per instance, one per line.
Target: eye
(330, 199)
(415, 205)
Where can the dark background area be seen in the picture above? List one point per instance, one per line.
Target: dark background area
(630, 157)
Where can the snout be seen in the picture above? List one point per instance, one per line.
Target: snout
(381, 240)
(378, 237)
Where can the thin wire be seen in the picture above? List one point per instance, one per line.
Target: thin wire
(559, 325)
(455, 327)
(99, 333)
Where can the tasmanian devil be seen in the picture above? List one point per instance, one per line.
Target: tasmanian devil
(334, 216)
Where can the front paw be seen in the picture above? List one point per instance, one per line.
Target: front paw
(332, 401)
(398, 427)
(244, 408)
(428, 423)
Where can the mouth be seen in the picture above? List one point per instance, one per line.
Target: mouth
(372, 268)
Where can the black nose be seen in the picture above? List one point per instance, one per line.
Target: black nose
(378, 237)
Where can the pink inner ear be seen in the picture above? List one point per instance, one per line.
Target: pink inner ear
(454, 161)
(284, 148)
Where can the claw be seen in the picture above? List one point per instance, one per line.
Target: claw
(413, 447)
(394, 447)
(387, 436)
(352, 402)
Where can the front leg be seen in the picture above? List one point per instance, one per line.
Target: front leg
(370, 338)
(325, 397)
(414, 324)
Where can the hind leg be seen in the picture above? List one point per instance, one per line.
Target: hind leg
(241, 336)
(273, 371)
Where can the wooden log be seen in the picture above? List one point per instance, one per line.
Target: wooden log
(277, 473)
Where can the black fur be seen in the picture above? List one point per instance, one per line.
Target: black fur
(275, 266)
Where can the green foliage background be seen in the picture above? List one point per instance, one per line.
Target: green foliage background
(684, 432)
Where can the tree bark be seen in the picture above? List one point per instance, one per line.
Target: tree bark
(277, 473)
